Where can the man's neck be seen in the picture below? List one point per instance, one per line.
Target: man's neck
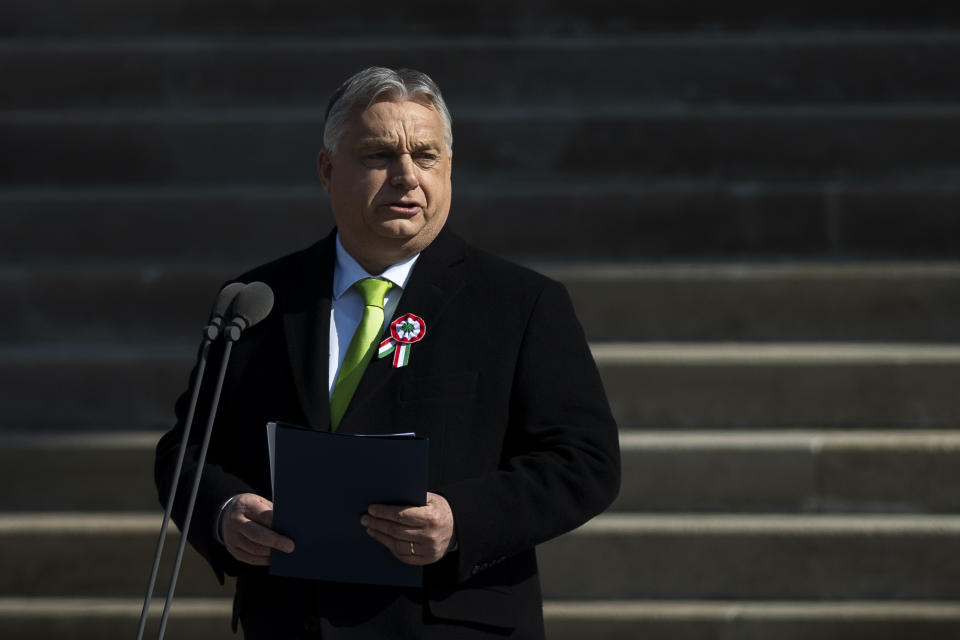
(375, 265)
(348, 270)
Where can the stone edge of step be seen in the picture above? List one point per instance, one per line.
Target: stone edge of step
(553, 610)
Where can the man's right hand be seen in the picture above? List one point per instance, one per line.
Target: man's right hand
(246, 532)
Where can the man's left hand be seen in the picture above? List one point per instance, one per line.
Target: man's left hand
(415, 535)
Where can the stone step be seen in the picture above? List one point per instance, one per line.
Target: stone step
(95, 554)
(888, 301)
(789, 471)
(379, 19)
(92, 471)
(700, 68)
(614, 557)
(207, 146)
(92, 387)
(631, 556)
(627, 221)
(663, 471)
(86, 618)
(208, 619)
(751, 620)
(780, 385)
(650, 385)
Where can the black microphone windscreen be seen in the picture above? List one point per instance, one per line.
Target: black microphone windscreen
(224, 299)
(253, 303)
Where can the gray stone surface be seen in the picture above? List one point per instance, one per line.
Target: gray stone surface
(893, 302)
(790, 471)
(105, 472)
(114, 17)
(58, 555)
(99, 618)
(95, 619)
(661, 620)
(715, 387)
(91, 388)
(697, 68)
(765, 557)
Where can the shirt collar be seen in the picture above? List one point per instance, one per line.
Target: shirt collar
(347, 271)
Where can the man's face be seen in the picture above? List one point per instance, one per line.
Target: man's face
(389, 182)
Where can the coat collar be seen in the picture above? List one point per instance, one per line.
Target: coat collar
(306, 323)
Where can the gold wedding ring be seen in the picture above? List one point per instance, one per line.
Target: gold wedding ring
(413, 551)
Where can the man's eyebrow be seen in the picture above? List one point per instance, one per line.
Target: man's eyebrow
(379, 142)
(425, 145)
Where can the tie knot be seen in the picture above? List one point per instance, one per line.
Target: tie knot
(373, 290)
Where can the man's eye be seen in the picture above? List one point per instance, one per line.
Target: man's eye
(376, 160)
(427, 158)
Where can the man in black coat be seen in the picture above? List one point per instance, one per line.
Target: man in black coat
(523, 446)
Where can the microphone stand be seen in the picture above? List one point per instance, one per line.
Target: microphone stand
(211, 331)
(232, 334)
(249, 304)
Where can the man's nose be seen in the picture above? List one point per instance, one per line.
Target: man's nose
(404, 173)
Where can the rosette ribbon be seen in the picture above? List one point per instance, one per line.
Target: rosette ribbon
(404, 331)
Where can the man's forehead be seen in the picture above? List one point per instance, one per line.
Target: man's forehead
(386, 121)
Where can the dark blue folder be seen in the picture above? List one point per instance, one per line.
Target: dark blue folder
(323, 483)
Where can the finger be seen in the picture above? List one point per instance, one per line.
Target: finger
(233, 537)
(257, 508)
(393, 529)
(399, 548)
(250, 547)
(431, 542)
(408, 515)
(248, 558)
(435, 498)
(261, 535)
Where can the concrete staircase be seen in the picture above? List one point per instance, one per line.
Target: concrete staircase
(769, 188)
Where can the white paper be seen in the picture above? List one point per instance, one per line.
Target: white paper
(271, 446)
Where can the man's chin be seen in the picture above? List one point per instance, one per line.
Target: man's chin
(399, 230)
(408, 235)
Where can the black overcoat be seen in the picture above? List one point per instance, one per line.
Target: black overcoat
(522, 442)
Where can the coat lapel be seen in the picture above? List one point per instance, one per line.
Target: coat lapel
(434, 282)
(306, 323)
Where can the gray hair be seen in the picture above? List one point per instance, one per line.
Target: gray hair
(373, 83)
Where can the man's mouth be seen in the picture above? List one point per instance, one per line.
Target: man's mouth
(404, 208)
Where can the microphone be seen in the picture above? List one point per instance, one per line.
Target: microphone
(210, 333)
(220, 306)
(251, 305)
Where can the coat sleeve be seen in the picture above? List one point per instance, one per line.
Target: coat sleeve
(561, 463)
(216, 485)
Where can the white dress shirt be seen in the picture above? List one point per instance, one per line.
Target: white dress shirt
(346, 307)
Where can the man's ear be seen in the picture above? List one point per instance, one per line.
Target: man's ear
(324, 168)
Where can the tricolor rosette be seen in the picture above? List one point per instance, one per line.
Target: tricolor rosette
(404, 331)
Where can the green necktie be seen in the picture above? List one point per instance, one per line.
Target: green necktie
(362, 346)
